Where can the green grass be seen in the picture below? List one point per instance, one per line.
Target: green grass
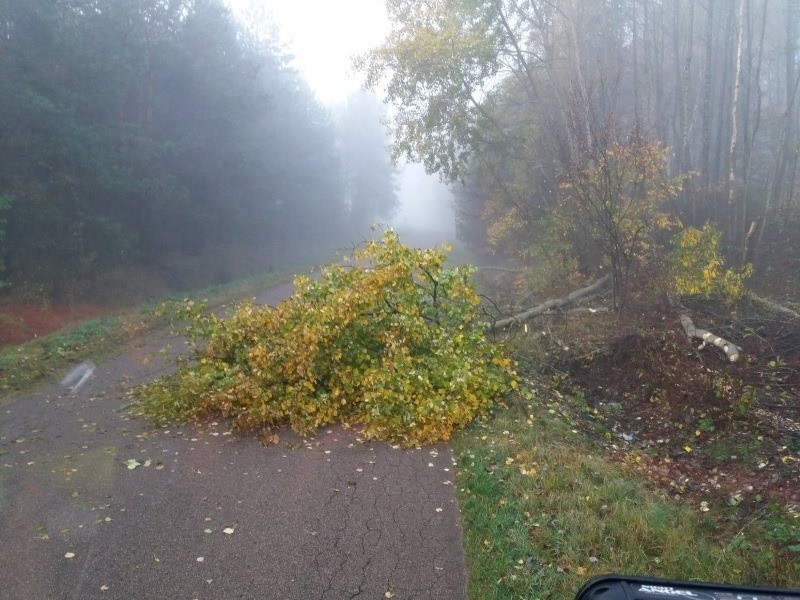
(745, 449)
(25, 366)
(543, 511)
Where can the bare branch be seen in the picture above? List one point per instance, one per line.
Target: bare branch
(555, 303)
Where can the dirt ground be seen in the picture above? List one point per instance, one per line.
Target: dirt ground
(21, 322)
(696, 423)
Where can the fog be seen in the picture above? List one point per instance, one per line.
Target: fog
(216, 140)
(425, 213)
(188, 143)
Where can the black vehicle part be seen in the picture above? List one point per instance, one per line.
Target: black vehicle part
(618, 587)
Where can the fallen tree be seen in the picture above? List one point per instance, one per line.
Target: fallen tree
(392, 340)
(586, 292)
(500, 269)
(732, 350)
(793, 314)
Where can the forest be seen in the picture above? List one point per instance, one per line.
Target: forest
(687, 109)
(627, 172)
(168, 145)
(600, 375)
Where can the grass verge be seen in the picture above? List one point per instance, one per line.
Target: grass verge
(543, 511)
(25, 366)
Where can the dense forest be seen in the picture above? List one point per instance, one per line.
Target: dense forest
(586, 133)
(160, 137)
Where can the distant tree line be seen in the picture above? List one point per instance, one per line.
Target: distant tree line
(135, 130)
(522, 100)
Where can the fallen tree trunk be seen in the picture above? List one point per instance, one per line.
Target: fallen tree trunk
(551, 304)
(709, 338)
(775, 306)
(501, 270)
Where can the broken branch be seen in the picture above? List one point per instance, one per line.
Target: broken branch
(555, 303)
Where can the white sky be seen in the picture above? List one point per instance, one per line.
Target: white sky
(324, 35)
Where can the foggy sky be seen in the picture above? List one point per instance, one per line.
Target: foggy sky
(425, 203)
(323, 37)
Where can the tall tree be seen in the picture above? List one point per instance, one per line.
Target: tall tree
(132, 131)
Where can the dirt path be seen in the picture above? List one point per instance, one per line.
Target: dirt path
(208, 515)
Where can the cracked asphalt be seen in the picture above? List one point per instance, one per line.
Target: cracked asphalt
(209, 515)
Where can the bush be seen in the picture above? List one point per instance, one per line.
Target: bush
(698, 269)
(392, 340)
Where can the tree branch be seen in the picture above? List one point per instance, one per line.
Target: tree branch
(554, 303)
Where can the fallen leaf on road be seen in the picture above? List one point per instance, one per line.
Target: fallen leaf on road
(270, 440)
(132, 463)
(228, 530)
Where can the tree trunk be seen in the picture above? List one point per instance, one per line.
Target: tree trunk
(684, 71)
(635, 46)
(734, 120)
(720, 168)
(787, 128)
(748, 158)
(707, 76)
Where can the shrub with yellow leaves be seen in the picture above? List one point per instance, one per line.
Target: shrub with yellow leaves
(699, 269)
(391, 340)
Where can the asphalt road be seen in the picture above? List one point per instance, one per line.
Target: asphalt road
(209, 515)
